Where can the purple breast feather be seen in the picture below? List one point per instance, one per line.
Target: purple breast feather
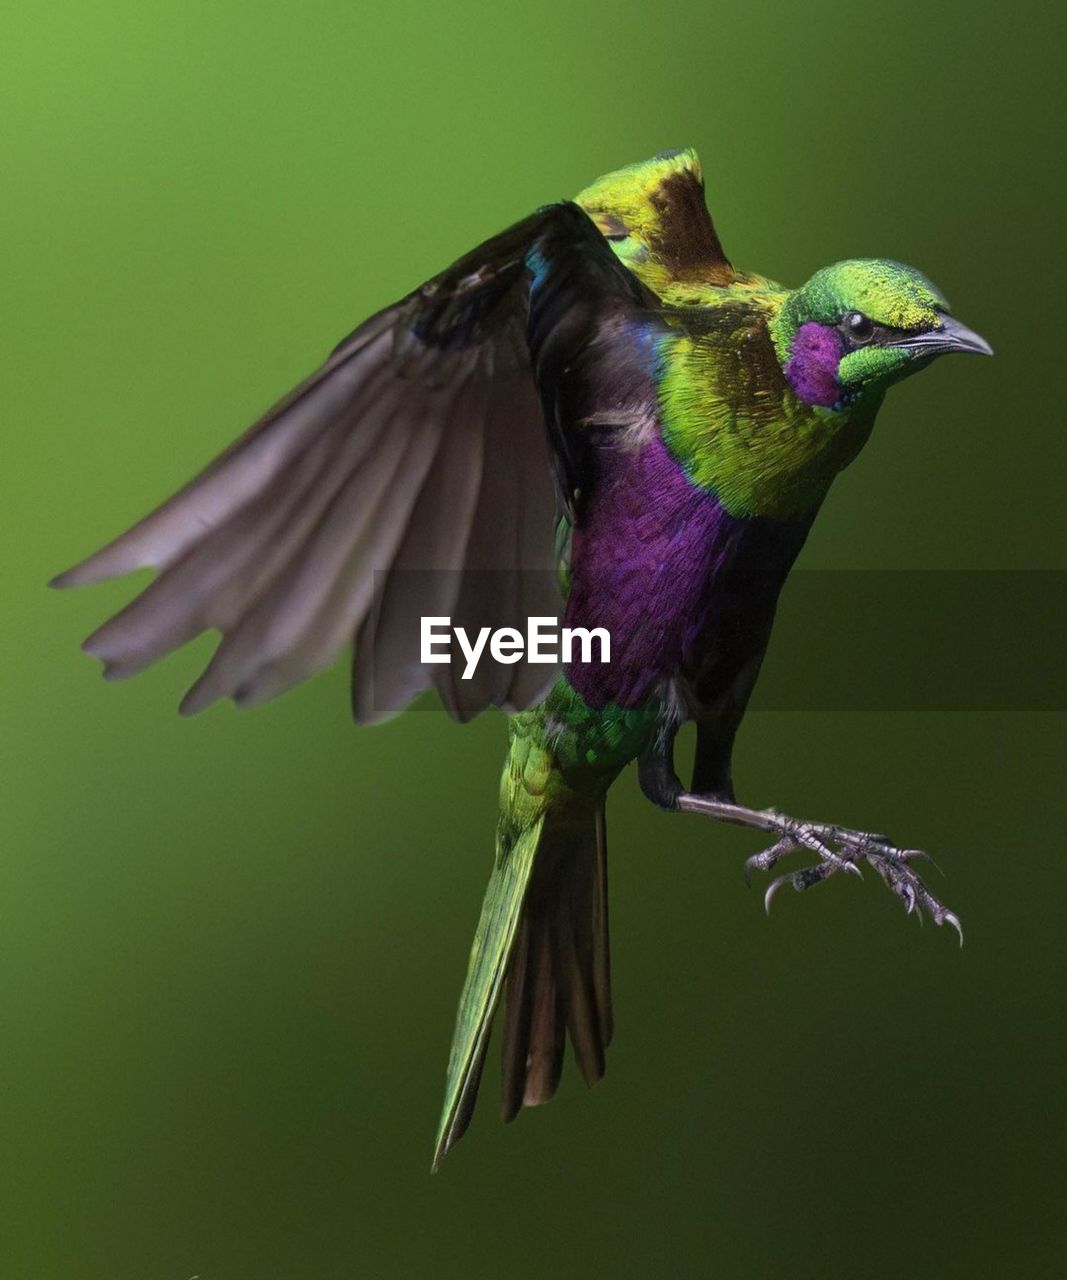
(643, 558)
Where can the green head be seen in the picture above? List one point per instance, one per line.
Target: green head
(860, 325)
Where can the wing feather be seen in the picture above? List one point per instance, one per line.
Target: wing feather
(417, 453)
(213, 583)
(387, 671)
(244, 469)
(489, 590)
(306, 616)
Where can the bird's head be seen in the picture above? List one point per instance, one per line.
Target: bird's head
(858, 326)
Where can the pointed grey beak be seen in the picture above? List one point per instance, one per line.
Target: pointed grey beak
(950, 336)
(959, 338)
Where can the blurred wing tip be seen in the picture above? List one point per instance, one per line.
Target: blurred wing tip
(78, 575)
(113, 667)
(372, 715)
(98, 568)
(195, 700)
(204, 694)
(95, 644)
(117, 663)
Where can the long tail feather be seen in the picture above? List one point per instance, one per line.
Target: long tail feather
(485, 974)
(543, 930)
(559, 978)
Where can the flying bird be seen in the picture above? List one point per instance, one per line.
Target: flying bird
(592, 413)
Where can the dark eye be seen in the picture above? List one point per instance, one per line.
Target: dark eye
(860, 328)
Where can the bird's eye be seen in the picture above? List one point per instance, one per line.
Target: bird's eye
(860, 328)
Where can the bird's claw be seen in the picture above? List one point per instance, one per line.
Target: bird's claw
(842, 849)
(766, 859)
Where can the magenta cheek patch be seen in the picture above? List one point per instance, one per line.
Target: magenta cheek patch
(811, 369)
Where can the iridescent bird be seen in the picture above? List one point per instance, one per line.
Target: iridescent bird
(594, 404)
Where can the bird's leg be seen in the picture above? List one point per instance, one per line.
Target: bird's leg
(655, 773)
(838, 849)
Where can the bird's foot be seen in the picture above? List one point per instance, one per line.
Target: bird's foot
(838, 849)
(842, 849)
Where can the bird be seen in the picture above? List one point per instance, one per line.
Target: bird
(593, 415)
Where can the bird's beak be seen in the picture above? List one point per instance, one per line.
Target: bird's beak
(950, 335)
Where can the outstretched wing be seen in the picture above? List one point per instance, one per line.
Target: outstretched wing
(412, 475)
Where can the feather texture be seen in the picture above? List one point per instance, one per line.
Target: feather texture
(559, 975)
(411, 476)
(489, 957)
(418, 448)
(637, 389)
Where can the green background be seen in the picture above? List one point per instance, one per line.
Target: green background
(230, 948)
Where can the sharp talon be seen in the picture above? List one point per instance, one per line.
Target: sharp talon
(800, 880)
(838, 849)
(772, 889)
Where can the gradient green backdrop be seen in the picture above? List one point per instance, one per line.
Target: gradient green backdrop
(230, 948)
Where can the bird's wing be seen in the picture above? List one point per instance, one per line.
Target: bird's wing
(655, 217)
(411, 476)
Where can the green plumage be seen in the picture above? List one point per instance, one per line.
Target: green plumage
(740, 432)
(762, 455)
(562, 757)
(594, 404)
(490, 952)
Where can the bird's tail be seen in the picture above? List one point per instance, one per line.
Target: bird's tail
(543, 940)
(558, 977)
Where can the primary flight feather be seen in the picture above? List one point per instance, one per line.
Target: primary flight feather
(593, 412)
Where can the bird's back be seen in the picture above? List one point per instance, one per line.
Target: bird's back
(654, 216)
